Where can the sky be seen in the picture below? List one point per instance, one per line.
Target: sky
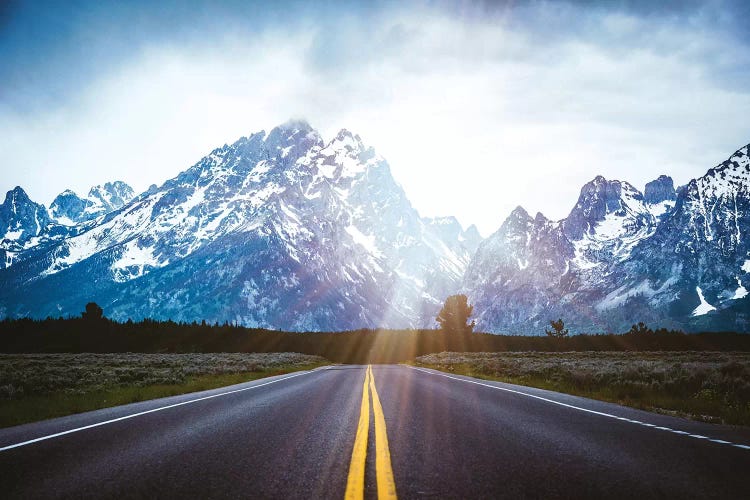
(478, 106)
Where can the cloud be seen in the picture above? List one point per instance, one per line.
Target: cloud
(477, 107)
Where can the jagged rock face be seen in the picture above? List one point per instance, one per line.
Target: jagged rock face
(659, 190)
(518, 273)
(609, 218)
(621, 257)
(69, 209)
(111, 196)
(279, 230)
(20, 218)
(29, 227)
(698, 260)
(68, 205)
(21, 223)
(601, 198)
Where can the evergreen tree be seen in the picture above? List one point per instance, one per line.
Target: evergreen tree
(640, 329)
(558, 329)
(93, 312)
(454, 316)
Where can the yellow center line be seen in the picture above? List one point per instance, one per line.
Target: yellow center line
(383, 469)
(355, 483)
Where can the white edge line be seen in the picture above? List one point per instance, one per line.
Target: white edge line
(609, 415)
(91, 426)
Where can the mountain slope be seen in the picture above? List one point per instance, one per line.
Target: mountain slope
(278, 230)
(671, 260)
(699, 258)
(285, 230)
(26, 227)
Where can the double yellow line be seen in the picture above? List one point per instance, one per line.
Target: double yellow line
(355, 485)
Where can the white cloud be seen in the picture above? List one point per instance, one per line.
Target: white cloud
(475, 117)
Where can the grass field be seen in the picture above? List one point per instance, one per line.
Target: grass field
(708, 386)
(39, 386)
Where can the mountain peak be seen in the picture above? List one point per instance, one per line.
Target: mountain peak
(292, 139)
(741, 154)
(21, 218)
(68, 208)
(540, 218)
(293, 124)
(473, 231)
(601, 198)
(117, 189)
(17, 194)
(659, 190)
(111, 195)
(605, 194)
(517, 222)
(347, 140)
(738, 162)
(290, 131)
(345, 134)
(725, 178)
(520, 213)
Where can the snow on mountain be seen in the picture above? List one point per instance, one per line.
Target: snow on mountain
(515, 274)
(29, 227)
(610, 218)
(279, 230)
(702, 245)
(285, 230)
(69, 209)
(20, 218)
(21, 221)
(533, 269)
(670, 259)
(704, 307)
(660, 195)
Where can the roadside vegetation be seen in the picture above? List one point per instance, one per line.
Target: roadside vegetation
(358, 346)
(38, 386)
(704, 376)
(707, 386)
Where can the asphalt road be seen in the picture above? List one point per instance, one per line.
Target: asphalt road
(448, 437)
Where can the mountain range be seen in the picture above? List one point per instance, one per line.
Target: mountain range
(287, 231)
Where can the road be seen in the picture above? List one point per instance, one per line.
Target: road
(429, 433)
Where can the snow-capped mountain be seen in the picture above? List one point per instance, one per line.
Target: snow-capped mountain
(660, 195)
(27, 227)
(69, 209)
(672, 260)
(610, 218)
(279, 230)
(21, 221)
(286, 230)
(20, 218)
(697, 263)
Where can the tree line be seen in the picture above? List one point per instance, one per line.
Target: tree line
(93, 332)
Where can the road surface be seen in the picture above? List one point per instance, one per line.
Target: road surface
(422, 433)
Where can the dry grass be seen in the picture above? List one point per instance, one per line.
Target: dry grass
(38, 386)
(709, 386)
